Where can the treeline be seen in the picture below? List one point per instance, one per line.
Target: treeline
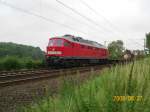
(17, 56)
(20, 51)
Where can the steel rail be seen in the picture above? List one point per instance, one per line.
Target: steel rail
(7, 80)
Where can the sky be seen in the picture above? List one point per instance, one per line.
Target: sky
(33, 22)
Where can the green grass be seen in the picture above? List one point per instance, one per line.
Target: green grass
(97, 94)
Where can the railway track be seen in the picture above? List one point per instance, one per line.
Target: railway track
(24, 76)
(8, 78)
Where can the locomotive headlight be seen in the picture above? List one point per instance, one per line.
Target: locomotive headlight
(55, 52)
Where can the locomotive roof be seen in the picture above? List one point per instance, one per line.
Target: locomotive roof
(83, 41)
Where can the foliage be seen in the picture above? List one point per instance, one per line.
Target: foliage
(17, 56)
(148, 40)
(12, 62)
(97, 95)
(116, 49)
(21, 51)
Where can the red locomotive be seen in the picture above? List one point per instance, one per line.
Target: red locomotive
(69, 49)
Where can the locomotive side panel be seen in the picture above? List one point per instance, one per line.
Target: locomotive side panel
(68, 49)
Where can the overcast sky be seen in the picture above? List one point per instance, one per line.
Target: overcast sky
(127, 20)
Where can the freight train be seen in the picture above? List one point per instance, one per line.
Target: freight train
(71, 50)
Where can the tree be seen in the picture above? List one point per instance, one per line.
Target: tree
(20, 51)
(148, 40)
(116, 49)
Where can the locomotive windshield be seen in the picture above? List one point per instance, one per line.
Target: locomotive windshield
(55, 42)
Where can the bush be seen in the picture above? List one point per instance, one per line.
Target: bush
(34, 64)
(29, 64)
(1, 66)
(10, 63)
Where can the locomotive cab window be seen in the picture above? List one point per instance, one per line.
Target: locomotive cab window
(55, 42)
(58, 42)
(51, 42)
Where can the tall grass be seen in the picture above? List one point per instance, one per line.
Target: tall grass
(97, 94)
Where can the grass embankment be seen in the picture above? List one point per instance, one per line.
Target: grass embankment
(124, 88)
(13, 62)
